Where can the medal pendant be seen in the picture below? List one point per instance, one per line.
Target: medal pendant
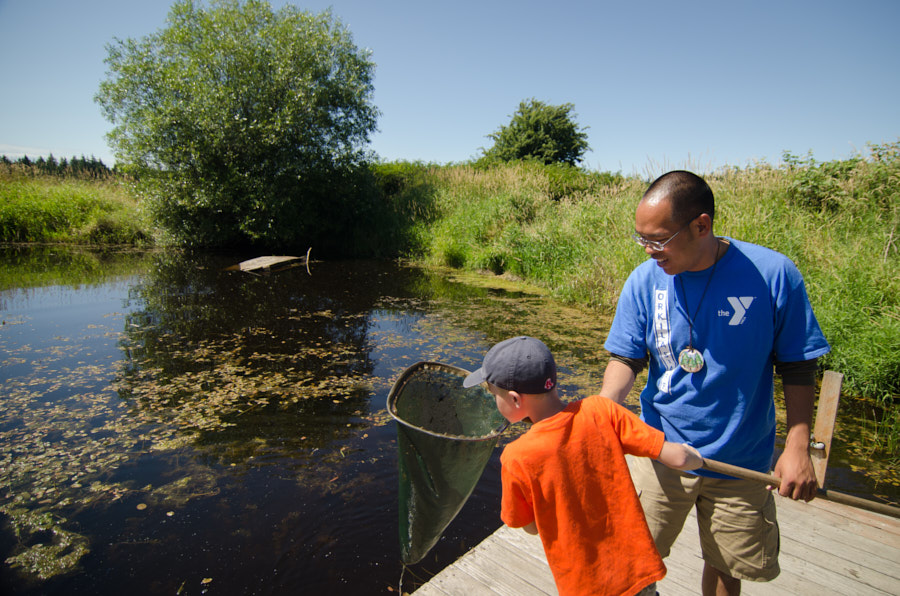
(690, 360)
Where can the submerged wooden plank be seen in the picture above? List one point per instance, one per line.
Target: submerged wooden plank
(268, 261)
(263, 262)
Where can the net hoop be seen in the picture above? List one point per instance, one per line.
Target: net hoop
(404, 379)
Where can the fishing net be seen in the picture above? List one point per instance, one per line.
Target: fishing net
(445, 436)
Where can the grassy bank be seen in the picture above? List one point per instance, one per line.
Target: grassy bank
(45, 208)
(838, 221)
(569, 231)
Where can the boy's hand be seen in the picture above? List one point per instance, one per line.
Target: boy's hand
(680, 456)
(531, 528)
(694, 459)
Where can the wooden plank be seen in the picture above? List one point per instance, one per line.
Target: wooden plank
(268, 261)
(500, 577)
(855, 515)
(804, 569)
(263, 262)
(838, 581)
(788, 582)
(499, 565)
(684, 564)
(826, 414)
(803, 522)
(523, 541)
(877, 527)
(685, 567)
(837, 570)
(826, 549)
(451, 582)
(528, 569)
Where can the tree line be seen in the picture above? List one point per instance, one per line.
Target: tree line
(74, 167)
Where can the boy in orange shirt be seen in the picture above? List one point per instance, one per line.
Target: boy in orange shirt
(566, 477)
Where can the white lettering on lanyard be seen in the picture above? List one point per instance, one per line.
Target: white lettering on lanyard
(663, 346)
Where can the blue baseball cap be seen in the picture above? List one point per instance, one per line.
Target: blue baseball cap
(522, 364)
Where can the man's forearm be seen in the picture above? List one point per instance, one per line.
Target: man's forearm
(618, 379)
(799, 401)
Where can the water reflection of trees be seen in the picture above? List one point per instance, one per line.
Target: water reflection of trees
(250, 365)
(225, 373)
(27, 266)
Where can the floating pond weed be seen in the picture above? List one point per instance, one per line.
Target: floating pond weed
(247, 410)
(51, 550)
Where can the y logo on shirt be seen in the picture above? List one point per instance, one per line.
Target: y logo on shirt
(740, 305)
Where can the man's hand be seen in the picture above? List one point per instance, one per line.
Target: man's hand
(798, 478)
(794, 467)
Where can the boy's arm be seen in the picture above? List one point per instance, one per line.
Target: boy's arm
(515, 508)
(680, 456)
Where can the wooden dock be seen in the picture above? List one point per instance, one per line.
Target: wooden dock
(826, 548)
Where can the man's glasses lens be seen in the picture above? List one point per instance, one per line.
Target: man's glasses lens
(651, 244)
(658, 245)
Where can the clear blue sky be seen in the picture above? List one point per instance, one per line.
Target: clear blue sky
(659, 84)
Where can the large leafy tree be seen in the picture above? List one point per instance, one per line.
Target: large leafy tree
(243, 125)
(541, 132)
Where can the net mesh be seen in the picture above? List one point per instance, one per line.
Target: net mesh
(445, 437)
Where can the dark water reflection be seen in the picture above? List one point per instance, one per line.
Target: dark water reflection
(171, 427)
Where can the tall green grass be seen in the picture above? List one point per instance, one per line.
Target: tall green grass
(569, 231)
(505, 219)
(41, 208)
(837, 220)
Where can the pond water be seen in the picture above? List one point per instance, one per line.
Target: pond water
(168, 426)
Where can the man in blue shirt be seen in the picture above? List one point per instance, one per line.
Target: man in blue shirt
(712, 317)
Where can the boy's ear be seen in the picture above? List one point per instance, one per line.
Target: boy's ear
(516, 397)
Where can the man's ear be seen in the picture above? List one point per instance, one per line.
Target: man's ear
(703, 224)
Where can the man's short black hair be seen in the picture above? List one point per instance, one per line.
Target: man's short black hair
(688, 193)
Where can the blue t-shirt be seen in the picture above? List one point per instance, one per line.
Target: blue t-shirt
(755, 311)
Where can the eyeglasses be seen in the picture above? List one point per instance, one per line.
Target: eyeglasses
(657, 245)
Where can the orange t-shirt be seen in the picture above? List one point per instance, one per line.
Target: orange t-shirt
(568, 475)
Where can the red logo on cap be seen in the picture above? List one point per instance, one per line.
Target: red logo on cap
(548, 385)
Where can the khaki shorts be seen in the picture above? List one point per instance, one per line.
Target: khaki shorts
(738, 530)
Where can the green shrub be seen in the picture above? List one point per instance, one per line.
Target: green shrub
(246, 125)
(541, 132)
